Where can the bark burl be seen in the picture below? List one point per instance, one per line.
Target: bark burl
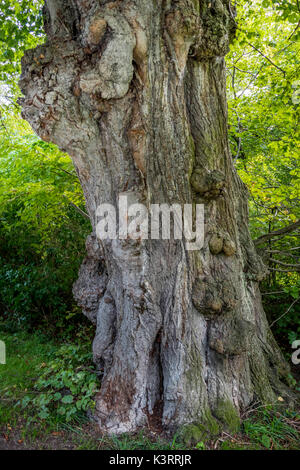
(134, 91)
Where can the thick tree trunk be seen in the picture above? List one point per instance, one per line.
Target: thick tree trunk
(134, 91)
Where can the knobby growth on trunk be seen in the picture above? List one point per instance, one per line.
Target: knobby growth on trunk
(134, 91)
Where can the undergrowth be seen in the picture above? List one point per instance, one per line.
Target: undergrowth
(47, 392)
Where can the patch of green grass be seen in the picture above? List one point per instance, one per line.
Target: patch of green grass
(273, 429)
(24, 361)
(140, 441)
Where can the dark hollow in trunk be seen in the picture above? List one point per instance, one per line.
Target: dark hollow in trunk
(134, 91)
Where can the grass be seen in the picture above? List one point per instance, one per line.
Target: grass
(28, 357)
(24, 359)
(273, 429)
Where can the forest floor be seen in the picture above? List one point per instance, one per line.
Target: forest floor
(22, 427)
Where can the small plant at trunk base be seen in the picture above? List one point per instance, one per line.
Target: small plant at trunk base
(201, 446)
(66, 386)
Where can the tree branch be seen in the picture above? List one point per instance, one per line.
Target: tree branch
(84, 214)
(280, 270)
(267, 58)
(285, 313)
(296, 267)
(276, 233)
(255, 48)
(284, 253)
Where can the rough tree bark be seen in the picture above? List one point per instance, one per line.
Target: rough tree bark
(134, 91)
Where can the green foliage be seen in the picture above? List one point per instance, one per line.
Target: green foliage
(38, 183)
(263, 87)
(20, 29)
(264, 120)
(66, 385)
(42, 234)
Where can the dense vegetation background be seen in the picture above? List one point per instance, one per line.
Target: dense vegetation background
(42, 221)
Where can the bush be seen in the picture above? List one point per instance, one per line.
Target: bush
(42, 236)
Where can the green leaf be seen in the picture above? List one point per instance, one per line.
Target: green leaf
(67, 399)
(44, 414)
(266, 441)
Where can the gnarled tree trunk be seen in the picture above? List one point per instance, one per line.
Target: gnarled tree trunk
(134, 91)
